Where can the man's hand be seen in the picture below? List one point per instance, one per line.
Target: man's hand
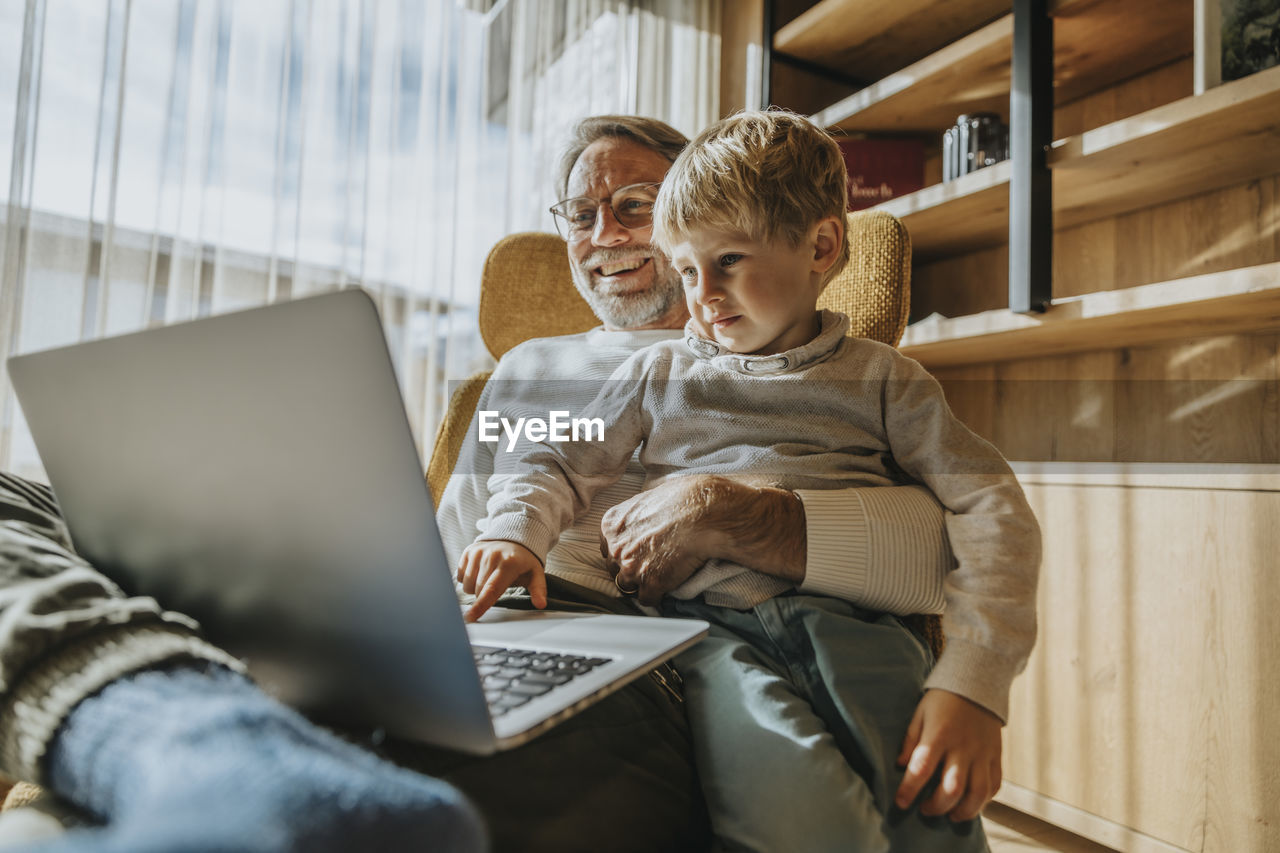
(657, 539)
(488, 569)
(648, 540)
(964, 738)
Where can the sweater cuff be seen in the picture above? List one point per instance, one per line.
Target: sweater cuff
(976, 673)
(881, 548)
(525, 529)
(36, 707)
(836, 545)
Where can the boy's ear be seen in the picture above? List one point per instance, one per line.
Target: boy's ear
(827, 241)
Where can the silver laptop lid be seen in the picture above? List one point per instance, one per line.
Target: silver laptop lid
(162, 443)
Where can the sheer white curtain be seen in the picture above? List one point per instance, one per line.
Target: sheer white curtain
(162, 160)
(574, 58)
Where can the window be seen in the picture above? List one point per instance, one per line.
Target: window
(162, 160)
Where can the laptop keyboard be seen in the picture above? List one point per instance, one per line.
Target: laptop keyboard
(511, 677)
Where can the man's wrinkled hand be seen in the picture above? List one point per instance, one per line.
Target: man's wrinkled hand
(656, 540)
(488, 569)
(962, 738)
(653, 541)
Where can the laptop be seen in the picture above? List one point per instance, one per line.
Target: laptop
(256, 471)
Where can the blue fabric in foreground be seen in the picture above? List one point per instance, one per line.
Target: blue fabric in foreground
(196, 757)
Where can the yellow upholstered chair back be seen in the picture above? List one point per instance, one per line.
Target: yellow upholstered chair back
(526, 292)
(874, 289)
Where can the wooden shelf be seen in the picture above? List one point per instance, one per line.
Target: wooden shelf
(1228, 135)
(868, 39)
(1096, 43)
(970, 75)
(969, 213)
(1234, 301)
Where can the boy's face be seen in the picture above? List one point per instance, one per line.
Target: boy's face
(751, 297)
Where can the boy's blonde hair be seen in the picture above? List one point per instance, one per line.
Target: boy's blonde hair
(768, 174)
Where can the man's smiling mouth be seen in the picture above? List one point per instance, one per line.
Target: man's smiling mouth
(618, 267)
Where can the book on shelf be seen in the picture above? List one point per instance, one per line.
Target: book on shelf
(882, 169)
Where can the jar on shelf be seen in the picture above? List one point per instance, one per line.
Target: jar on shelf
(986, 140)
(978, 140)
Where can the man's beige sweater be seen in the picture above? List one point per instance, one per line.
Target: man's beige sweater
(834, 413)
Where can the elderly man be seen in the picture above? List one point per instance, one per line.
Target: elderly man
(123, 710)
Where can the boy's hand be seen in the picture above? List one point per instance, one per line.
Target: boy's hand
(488, 569)
(965, 738)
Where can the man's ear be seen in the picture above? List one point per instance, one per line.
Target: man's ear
(827, 241)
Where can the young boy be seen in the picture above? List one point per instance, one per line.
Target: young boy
(801, 706)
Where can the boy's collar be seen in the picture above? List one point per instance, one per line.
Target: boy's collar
(834, 328)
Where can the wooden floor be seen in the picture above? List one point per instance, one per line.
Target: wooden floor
(1010, 831)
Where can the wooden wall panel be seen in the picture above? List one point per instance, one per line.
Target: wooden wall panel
(1129, 97)
(1205, 400)
(741, 44)
(1151, 698)
(1211, 232)
(1060, 409)
(804, 91)
(1085, 258)
(1208, 400)
(966, 284)
(1243, 688)
(970, 393)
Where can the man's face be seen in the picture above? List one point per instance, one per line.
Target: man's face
(628, 283)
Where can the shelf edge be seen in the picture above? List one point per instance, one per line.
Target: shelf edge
(1228, 476)
(1131, 316)
(1085, 148)
(936, 195)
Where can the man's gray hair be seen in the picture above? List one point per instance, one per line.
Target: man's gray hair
(657, 136)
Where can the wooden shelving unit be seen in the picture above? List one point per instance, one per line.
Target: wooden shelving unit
(1237, 300)
(1095, 43)
(1152, 178)
(1227, 135)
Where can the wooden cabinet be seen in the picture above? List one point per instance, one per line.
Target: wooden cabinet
(1142, 408)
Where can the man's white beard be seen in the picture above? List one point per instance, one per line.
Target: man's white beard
(630, 310)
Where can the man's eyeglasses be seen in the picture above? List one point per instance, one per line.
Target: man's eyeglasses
(632, 206)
